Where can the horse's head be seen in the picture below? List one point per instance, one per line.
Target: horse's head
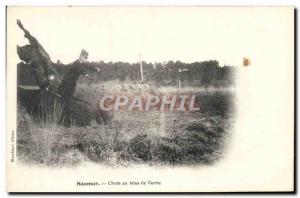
(25, 53)
(41, 69)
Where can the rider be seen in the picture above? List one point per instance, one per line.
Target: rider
(79, 67)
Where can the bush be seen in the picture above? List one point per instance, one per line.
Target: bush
(140, 147)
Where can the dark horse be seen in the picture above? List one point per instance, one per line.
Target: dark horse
(48, 97)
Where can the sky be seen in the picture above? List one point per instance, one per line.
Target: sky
(188, 34)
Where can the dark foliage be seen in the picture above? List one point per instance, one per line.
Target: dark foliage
(206, 72)
(140, 147)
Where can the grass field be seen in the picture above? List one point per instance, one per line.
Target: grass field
(153, 138)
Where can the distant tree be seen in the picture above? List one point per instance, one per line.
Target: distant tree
(206, 72)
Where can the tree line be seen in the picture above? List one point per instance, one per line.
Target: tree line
(204, 73)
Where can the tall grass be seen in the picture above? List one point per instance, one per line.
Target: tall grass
(169, 138)
(43, 130)
(51, 112)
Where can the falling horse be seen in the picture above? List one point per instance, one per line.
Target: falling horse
(59, 106)
(48, 96)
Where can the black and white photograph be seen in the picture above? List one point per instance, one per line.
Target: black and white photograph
(171, 113)
(128, 96)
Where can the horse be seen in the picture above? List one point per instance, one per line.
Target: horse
(48, 96)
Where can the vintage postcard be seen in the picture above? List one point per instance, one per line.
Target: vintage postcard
(150, 99)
